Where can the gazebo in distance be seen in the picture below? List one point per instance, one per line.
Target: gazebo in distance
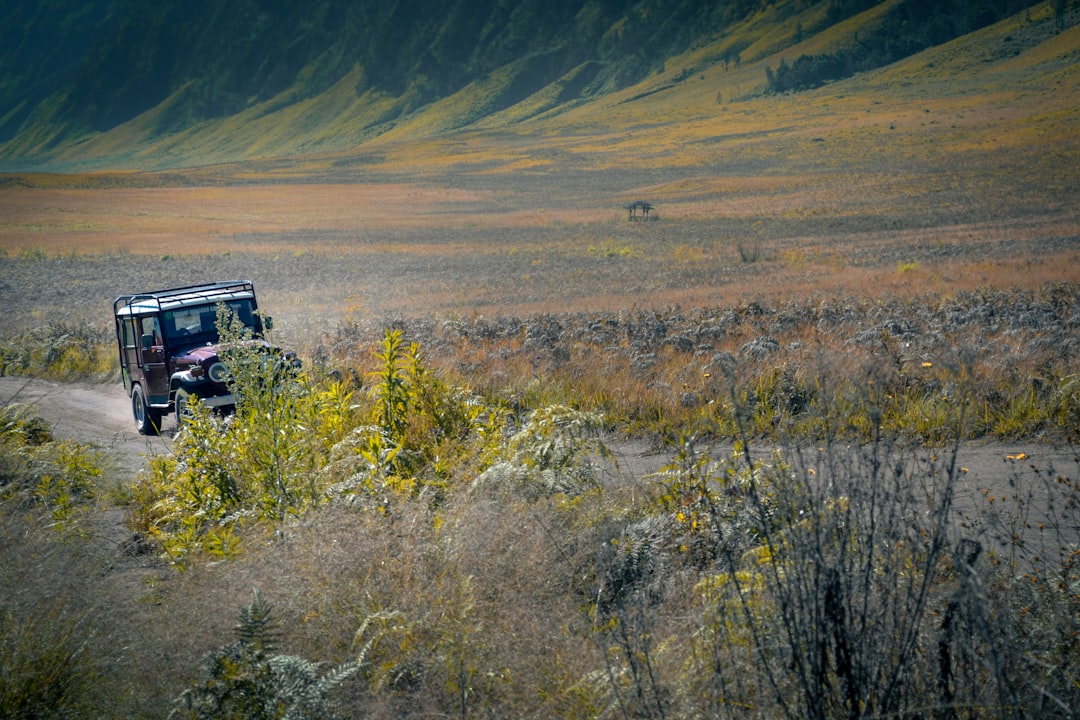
(639, 206)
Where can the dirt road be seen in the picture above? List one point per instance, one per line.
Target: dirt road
(100, 415)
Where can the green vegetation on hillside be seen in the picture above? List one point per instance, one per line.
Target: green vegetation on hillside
(906, 28)
(212, 59)
(42, 43)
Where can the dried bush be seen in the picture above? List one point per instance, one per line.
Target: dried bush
(53, 645)
(63, 351)
(495, 573)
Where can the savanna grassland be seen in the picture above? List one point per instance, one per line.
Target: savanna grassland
(839, 291)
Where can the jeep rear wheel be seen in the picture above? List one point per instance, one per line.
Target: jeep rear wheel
(147, 419)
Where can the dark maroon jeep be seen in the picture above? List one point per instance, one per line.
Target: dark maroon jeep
(168, 343)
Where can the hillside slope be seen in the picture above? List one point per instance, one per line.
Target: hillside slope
(127, 83)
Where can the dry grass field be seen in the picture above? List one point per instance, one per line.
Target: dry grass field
(507, 244)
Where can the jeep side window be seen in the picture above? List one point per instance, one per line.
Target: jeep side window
(150, 327)
(208, 322)
(128, 326)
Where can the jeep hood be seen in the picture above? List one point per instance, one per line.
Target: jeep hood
(198, 354)
(201, 354)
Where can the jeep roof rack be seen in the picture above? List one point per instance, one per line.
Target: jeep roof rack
(182, 296)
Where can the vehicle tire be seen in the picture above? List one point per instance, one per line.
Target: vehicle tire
(183, 407)
(147, 419)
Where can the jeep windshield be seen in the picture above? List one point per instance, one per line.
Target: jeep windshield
(197, 324)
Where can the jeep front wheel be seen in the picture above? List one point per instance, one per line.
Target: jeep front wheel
(183, 408)
(147, 419)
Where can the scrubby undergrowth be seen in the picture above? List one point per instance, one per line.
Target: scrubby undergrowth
(809, 368)
(425, 508)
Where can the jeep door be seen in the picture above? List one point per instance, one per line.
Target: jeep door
(148, 360)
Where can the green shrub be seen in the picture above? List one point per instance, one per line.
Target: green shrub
(432, 424)
(292, 444)
(257, 464)
(273, 448)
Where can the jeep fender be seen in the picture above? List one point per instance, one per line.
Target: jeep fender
(197, 387)
(183, 380)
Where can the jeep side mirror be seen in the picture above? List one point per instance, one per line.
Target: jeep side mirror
(268, 323)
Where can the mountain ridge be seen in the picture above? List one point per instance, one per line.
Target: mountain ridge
(169, 84)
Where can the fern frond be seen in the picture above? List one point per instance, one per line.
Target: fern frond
(245, 681)
(257, 629)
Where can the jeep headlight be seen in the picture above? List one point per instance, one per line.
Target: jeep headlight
(217, 372)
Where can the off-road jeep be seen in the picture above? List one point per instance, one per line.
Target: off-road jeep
(169, 347)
